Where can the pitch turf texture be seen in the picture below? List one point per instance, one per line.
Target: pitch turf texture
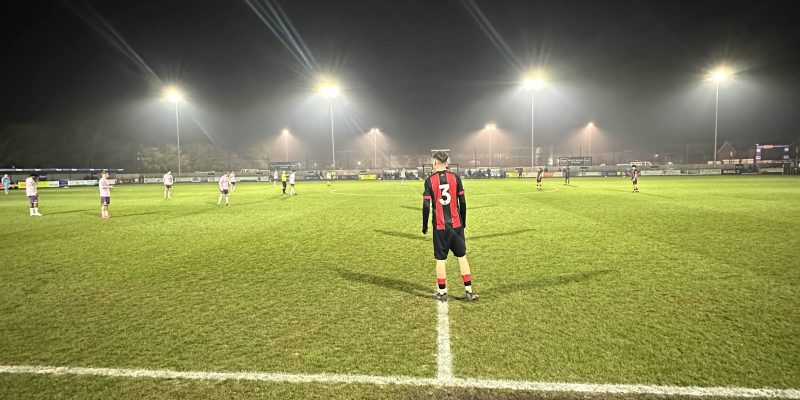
(692, 282)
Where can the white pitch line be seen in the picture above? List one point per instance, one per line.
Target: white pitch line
(444, 359)
(407, 381)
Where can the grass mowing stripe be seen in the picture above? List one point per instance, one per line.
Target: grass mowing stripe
(408, 381)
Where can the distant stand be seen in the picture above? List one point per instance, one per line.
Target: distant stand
(427, 169)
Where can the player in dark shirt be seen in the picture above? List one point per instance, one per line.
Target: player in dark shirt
(445, 195)
(539, 176)
(566, 176)
(635, 179)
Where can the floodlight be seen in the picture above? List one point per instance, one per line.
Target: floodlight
(719, 75)
(173, 94)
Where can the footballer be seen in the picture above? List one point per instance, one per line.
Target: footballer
(444, 194)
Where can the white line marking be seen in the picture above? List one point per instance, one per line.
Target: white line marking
(444, 359)
(407, 381)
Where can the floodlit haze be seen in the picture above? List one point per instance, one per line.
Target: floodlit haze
(83, 81)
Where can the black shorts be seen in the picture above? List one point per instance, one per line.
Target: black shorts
(538, 180)
(449, 239)
(635, 181)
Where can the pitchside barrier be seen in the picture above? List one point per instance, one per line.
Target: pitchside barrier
(55, 181)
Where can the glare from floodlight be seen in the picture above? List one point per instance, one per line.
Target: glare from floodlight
(591, 125)
(534, 81)
(534, 84)
(490, 127)
(173, 94)
(330, 91)
(720, 75)
(285, 132)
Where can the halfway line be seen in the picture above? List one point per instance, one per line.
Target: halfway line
(406, 380)
(444, 358)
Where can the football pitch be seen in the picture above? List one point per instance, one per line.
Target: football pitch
(692, 283)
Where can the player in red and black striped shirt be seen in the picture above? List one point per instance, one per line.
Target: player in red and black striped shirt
(445, 195)
(635, 179)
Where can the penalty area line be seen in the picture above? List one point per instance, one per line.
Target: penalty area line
(406, 381)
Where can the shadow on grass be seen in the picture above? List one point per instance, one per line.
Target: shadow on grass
(191, 213)
(500, 234)
(403, 235)
(548, 281)
(419, 208)
(654, 195)
(411, 288)
(247, 203)
(69, 212)
(137, 214)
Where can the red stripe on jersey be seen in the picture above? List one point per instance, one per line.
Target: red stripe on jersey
(437, 196)
(426, 197)
(461, 193)
(454, 215)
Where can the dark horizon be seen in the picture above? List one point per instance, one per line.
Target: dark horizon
(84, 80)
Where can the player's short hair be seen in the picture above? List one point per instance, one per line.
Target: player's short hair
(442, 156)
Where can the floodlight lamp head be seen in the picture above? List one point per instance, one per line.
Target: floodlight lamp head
(533, 84)
(720, 75)
(173, 94)
(330, 91)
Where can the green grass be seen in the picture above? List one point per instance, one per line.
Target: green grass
(693, 281)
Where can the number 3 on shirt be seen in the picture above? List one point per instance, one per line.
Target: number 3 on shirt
(445, 199)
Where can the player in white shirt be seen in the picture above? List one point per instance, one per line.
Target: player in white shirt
(403, 177)
(275, 179)
(168, 182)
(328, 177)
(291, 183)
(223, 189)
(33, 194)
(105, 194)
(232, 179)
(6, 183)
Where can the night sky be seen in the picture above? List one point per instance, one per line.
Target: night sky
(429, 73)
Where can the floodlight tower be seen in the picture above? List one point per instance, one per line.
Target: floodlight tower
(490, 128)
(718, 76)
(375, 132)
(533, 83)
(591, 128)
(285, 134)
(173, 94)
(330, 90)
